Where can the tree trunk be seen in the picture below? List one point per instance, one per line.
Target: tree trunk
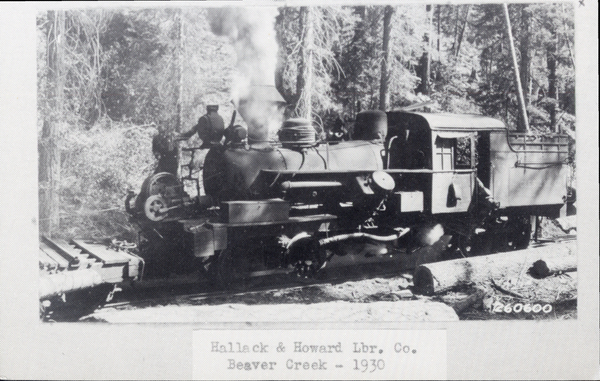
(567, 36)
(439, 11)
(523, 126)
(49, 177)
(462, 31)
(525, 67)
(384, 95)
(425, 63)
(179, 87)
(96, 109)
(442, 276)
(307, 69)
(552, 93)
(429, 9)
(300, 76)
(179, 69)
(456, 18)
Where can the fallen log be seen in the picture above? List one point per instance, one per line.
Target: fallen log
(334, 312)
(543, 268)
(442, 276)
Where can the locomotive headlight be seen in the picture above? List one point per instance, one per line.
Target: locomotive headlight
(382, 182)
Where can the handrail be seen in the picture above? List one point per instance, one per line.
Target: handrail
(525, 143)
(348, 171)
(191, 148)
(389, 148)
(539, 165)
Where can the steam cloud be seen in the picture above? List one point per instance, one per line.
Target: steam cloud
(430, 235)
(252, 34)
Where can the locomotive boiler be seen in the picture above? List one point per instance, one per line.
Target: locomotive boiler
(404, 183)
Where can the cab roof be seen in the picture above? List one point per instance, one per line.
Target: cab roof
(449, 122)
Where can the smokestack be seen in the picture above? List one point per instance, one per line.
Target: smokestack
(251, 31)
(262, 109)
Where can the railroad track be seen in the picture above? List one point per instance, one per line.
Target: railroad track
(179, 293)
(183, 292)
(192, 290)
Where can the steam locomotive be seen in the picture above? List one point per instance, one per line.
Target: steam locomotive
(405, 182)
(407, 187)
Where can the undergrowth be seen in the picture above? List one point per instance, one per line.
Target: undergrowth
(99, 166)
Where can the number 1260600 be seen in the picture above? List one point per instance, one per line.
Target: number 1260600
(521, 308)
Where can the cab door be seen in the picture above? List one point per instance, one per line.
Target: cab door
(453, 175)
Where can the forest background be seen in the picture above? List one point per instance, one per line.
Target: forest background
(110, 79)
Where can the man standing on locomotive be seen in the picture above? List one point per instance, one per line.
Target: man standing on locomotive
(210, 128)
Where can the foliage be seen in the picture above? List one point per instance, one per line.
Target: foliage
(134, 49)
(407, 40)
(329, 27)
(82, 64)
(359, 58)
(122, 75)
(100, 165)
(495, 92)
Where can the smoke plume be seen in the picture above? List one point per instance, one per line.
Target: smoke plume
(251, 32)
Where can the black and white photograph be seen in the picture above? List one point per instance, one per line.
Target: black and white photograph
(198, 169)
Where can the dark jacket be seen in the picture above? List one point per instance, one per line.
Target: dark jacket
(210, 129)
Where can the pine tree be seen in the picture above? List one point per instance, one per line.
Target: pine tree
(50, 168)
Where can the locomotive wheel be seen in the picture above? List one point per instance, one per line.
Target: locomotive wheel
(233, 270)
(465, 247)
(462, 245)
(513, 234)
(307, 257)
(163, 252)
(522, 232)
(510, 234)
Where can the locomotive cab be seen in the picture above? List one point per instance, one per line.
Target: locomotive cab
(476, 176)
(437, 154)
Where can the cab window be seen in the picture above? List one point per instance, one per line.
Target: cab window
(453, 153)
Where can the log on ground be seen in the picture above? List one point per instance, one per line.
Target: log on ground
(333, 312)
(442, 276)
(546, 267)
